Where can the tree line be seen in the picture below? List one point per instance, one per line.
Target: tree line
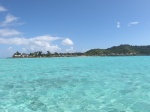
(48, 54)
(121, 50)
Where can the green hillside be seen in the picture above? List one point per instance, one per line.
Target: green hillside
(121, 50)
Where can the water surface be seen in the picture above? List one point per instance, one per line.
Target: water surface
(82, 84)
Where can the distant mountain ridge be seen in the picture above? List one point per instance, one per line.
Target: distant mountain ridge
(124, 49)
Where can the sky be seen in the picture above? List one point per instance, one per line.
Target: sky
(72, 25)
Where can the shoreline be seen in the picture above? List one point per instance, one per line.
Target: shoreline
(78, 56)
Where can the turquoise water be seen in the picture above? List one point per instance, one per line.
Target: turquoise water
(83, 84)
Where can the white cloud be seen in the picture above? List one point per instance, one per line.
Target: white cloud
(67, 41)
(2, 9)
(118, 25)
(46, 38)
(42, 43)
(71, 49)
(9, 32)
(39, 41)
(9, 20)
(133, 23)
(47, 47)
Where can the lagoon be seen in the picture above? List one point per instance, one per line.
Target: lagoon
(75, 84)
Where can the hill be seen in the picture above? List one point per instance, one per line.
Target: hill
(120, 50)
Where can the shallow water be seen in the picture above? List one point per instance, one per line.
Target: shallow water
(82, 84)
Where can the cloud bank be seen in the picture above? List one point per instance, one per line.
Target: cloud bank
(39, 43)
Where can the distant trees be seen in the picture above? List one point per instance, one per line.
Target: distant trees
(56, 53)
(39, 53)
(48, 53)
(17, 53)
(113, 51)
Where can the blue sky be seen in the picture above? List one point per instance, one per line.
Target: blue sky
(72, 25)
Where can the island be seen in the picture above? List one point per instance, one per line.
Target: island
(121, 50)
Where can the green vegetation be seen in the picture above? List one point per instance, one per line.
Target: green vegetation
(49, 54)
(122, 50)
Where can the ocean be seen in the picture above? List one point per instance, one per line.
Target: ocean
(75, 84)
